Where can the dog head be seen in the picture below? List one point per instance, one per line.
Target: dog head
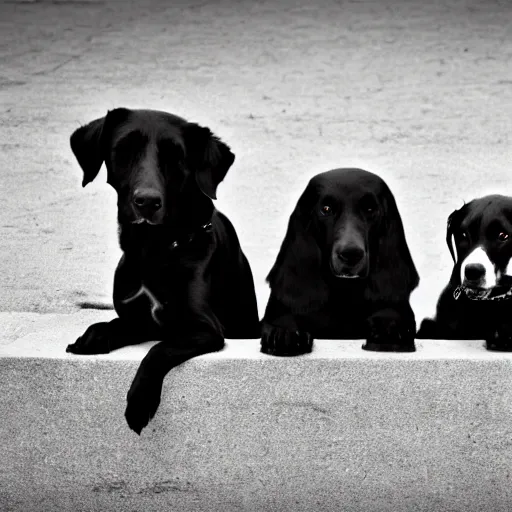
(164, 169)
(479, 237)
(345, 228)
(347, 212)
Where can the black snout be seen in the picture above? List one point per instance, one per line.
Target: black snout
(351, 255)
(147, 201)
(474, 271)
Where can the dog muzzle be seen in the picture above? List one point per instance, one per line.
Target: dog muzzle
(495, 293)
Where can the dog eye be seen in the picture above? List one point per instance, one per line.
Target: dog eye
(370, 211)
(502, 236)
(368, 205)
(326, 210)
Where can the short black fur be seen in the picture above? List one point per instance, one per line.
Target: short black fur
(183, 278)
(458, 316)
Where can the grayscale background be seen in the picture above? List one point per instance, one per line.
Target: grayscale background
(418, 92)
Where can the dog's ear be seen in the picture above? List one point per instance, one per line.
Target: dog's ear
(90, 143)
(452, 226)
(394, 275)
(207, 156)
(296, 278)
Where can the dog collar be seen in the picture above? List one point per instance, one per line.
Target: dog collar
(186, 240)
(479, 295)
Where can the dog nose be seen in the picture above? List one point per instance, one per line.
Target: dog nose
(351, 255)
(147, 200)
(474, 271)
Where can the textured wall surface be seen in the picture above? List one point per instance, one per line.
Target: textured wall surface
(337, 430)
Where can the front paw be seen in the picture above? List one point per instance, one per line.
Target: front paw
(278, 341)
(501, 339)
(143, 401)
(95, 340)
(388, 332)
(429, 330)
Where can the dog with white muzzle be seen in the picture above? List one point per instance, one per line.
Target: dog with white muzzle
(477, 302)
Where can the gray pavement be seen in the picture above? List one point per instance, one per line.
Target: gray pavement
(419, 92)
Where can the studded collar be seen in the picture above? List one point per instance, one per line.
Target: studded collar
(496, 293)
(205, 228)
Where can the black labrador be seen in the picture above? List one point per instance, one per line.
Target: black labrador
(183, 278)
(344, 270)
(477, 302)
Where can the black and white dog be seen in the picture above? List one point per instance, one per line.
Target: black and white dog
(477, 302)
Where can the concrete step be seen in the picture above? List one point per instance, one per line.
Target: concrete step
(340, 429)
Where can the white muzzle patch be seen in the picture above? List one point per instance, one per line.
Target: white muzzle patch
(488, 278)
(506, 272)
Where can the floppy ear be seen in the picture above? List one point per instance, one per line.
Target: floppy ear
(90, 143)
(453, 225)
(393, 276)
(207, 156)
(296, 278)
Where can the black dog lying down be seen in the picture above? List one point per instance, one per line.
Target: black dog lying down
(344, 269)
(183, 277)
(477, 302)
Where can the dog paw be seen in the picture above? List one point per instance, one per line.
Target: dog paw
(389, 333)
(95, 340)
(501, 340)
(143, 401)
(428, 330)
(278, 341)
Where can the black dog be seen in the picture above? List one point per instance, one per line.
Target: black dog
(344, 270)
(183, 277)
(477, 304)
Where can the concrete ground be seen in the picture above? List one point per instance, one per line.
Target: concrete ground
(419, 92)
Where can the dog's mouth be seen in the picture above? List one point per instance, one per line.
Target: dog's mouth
(344, 274)
(144, 221)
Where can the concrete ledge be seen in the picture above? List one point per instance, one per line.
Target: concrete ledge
(338, 430)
